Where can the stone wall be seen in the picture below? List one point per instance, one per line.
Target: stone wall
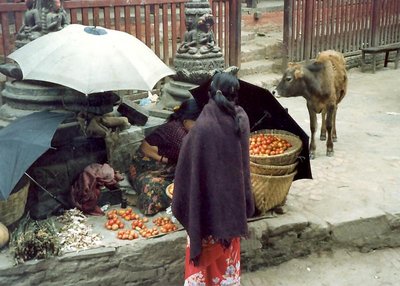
(160, 261)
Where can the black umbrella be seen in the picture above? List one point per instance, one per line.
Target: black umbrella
(265, 112)
(22, 142)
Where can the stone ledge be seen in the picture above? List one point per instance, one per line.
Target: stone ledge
(160, 261)
(88, 253)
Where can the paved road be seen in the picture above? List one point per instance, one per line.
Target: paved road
(338, 268)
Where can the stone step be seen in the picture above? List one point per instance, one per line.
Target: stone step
(256, 46)
(267, 80)
(261, 52)
(264, 6)
(256, 67)
(247, 36)
(252, 52)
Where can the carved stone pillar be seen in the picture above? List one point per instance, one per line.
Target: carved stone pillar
(197, 58)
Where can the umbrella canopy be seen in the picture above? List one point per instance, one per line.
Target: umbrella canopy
(265, 112)
(91, 59)
(22, 142)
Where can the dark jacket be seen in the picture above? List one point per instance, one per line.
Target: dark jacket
(212, 191)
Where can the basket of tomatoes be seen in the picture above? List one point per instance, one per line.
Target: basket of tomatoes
(274, 147)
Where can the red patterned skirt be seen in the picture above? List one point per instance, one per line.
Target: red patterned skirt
(217, 266)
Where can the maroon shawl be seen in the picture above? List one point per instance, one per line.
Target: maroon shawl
(85, 191)
(212, 191)
(168, 138)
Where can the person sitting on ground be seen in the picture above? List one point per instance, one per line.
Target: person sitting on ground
(153, 166)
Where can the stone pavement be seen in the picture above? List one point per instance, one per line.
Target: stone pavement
(354, 198)
(338, 268)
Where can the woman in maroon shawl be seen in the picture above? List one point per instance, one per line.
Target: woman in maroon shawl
(212, 190)
(153, 166)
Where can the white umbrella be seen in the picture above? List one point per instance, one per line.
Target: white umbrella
(91, 59)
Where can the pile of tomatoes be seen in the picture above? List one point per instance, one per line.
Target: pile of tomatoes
(267, 144)
(113, 222)
(165, 224)
(138, 224)
(127, 234)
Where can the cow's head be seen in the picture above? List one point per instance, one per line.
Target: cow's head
(292, 82)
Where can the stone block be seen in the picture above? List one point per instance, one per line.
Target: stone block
(288, 222)
(88, 254)
(360, 231)
(136, 114)
(122, 146)
(144, 275)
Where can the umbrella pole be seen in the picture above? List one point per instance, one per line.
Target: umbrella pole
(266, 115)
(50, 194)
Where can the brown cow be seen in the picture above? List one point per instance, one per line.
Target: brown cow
(323, 84)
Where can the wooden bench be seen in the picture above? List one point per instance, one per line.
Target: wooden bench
(381, 49)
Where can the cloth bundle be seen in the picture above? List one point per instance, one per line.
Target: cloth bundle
(85, 191)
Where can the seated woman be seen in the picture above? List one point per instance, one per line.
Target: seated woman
(153, 166)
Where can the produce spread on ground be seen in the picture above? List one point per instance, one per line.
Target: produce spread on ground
(74, 231)
(129, 225)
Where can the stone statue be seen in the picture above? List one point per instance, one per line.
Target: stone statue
(56, 18)
(197, 58)
(189, 38)
(206, 39)
(41, 17)
(199, 38)
(31, 29)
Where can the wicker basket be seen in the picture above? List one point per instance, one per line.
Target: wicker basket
(288, 157)
(272, 170)
(270, 191)
(12, 209)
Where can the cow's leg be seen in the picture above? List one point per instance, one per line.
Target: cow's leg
(322, 136)
(334, 136)
(313, 129)
(329, 123)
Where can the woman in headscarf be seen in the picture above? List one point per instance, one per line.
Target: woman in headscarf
(153, 166)
(212, 190)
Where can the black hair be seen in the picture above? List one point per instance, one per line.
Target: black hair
(188, 110)
(224, 90)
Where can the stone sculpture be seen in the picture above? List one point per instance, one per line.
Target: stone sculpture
(199, 39)
(197, 58)
(189, 39)
(56, 18)
(31, 29)
(41, 17)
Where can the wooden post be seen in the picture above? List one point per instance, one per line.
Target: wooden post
(235, 31)
(6, 35)
(308, 29)
(287, 32)
(375, 27)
